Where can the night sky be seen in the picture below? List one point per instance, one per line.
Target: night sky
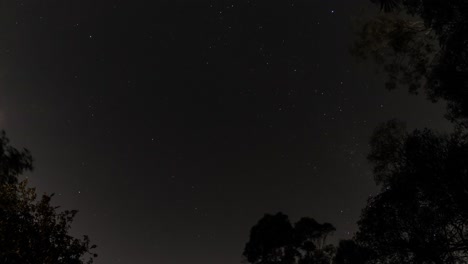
(174, 125)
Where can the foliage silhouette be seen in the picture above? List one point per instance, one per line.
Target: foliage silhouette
(273, 240)
(12, 161)
(31, 229)
(422, 44)
(421, 213)
(387, 5)
(349, 252)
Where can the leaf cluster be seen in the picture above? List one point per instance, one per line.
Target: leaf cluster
(274, 240)
(31, 229)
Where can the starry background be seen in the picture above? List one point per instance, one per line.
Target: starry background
(174, 125)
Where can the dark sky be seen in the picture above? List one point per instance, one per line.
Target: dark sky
(174, 125)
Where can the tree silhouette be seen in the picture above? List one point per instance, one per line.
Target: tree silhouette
(273, 240)
(310, 238)
(422, 44)
(387, 5)
(421, 213)
(12, 161)
(31, 229)
(349, 252)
